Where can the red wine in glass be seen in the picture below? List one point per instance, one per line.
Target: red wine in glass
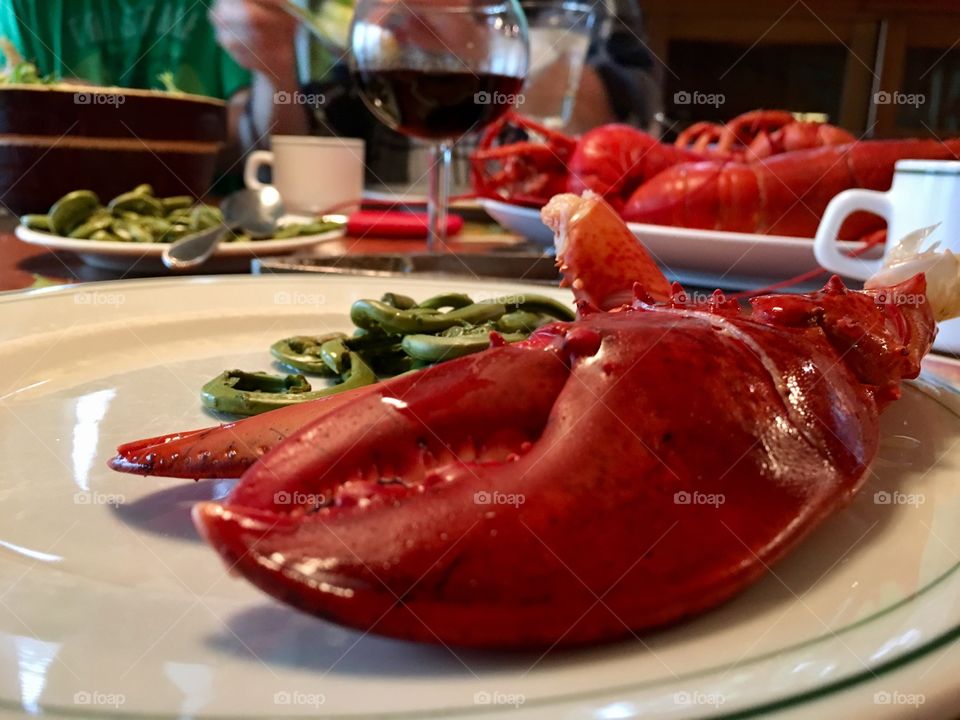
(437, 70)
(435, 104)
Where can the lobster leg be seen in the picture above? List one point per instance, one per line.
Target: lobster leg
(606, 260)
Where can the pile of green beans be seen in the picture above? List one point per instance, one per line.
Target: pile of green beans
(393, 335)
(139, 216)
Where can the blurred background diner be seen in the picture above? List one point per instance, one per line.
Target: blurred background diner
(617, 81)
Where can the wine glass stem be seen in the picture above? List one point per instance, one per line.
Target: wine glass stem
(439, 197)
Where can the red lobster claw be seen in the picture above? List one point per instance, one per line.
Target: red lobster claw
(607, 475)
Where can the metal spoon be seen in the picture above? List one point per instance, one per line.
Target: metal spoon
(254, 212)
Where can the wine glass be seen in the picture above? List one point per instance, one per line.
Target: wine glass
(437, 70)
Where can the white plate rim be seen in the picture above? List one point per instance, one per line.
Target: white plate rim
(139, 250)
(721, 236)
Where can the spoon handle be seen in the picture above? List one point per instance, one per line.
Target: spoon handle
(193, 250)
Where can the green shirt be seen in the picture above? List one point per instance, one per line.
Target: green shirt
(127, 43)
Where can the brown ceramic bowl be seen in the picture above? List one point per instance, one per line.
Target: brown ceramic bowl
(54, 139)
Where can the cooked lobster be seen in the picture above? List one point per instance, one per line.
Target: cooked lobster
(759, 134)
(622, 471)
(614, 160)
(782, 195)
(763, 172)
(523, 162)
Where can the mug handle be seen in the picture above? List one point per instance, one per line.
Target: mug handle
(256, 160)
(825, 244)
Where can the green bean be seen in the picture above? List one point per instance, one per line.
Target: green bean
(303, 352)
(334, 354)
(132, 231)
(87, 229)
(180, 215)
(521, 321)
(450, 300)
(390, 362)
(175, 232)
(538, 304)
(437, 348)
(37, 222)
(72, 210)
(148, 218)
(177, 202)
(136, 202)
(371, 341)
(243, 393)
(370, 314)
(287, 231)
(396, 300)
(156, 226)
(318, 226)
(393, 335)
(204, 216)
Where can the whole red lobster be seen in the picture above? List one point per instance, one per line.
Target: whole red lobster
(784, 194)
(762, 172)
(614, 160)
(625, 470)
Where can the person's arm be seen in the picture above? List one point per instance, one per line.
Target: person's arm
(592, 107)
(260, 36)
(621, 75)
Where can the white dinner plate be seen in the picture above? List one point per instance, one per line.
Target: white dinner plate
(145, 257)
(110, 606)
(706, 258)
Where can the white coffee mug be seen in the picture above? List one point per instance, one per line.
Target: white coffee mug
(924, 193)
(311, 174)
